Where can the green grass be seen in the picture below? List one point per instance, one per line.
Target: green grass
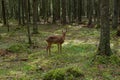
(67, 73)
(78, 53)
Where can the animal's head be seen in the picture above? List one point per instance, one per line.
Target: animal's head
(64, 32)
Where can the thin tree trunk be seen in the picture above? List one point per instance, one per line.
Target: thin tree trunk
(4, 13)
(69, 11)
(19, 11)
(28, 27)
(115, 14)
(63, 12)
(90, 13)
(29, 10)
(23, 12)
(79, 11)
(35, 9)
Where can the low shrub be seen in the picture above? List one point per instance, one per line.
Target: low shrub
(113, 59)
(71, 73)
(17, 48)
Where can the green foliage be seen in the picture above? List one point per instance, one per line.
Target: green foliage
(0, 37)
(78, 50)
(17, 48)
(27, 68)
(102, 59)
(29, 51)
(57, 74)
(113, 59)
(107, 76)
(71, 73)
(75, 71)
(12, 34)
(2, 72)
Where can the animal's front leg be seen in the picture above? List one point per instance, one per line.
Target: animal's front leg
(49, 51)
(58, 48)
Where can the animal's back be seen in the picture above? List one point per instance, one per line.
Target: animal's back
(55, 39)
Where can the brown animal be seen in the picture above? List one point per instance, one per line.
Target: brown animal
(59, 40)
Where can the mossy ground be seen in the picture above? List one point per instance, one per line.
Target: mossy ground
(78, 51)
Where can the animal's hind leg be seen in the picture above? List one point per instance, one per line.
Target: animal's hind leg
(47, 50)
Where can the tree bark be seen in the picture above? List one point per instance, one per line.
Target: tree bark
(63, 11)
(35, 16)
(27, 19)
(19, 11)
(104, 45)
(23, 12)
(4, 13)
(89, 13)
(79, 11)
(115, 14)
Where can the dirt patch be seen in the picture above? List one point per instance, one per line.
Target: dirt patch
(4, 52)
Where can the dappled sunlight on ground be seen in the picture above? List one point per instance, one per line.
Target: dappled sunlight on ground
(17, 74)
(77, 42)
(78, 49)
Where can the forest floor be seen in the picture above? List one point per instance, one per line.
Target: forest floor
(76, 62)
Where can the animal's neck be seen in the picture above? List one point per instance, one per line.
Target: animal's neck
(63, 36)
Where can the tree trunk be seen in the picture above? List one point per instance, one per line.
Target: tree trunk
(63, 11)
(23, 12)
(89, 13)
(29, 11)
(115, 14)
(19, 11)
(79, 11)
(4, 13)
(27, 19)
(98, 13)
(35, 10)
(69, 11)
(104, 45)
(55, 13)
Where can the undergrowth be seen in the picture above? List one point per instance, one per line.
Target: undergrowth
(113, 59)
(76, 62)
(18, 48)
(70, 73)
